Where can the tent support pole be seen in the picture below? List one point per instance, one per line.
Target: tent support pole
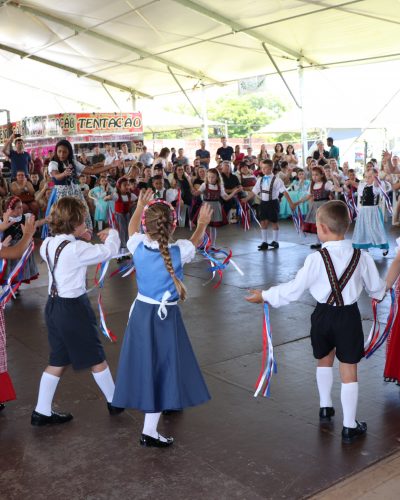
(133, 101)
(204, 113)
(304, 142)
(184, 92)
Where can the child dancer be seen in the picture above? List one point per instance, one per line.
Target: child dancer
(124, 200)
(7, 392)
(12, 225)
(319, 194)
(392, 365)
(268, 188)
(369, 230)
(71, 323)
(336, 327)
(212, 190)
(101, 195)
(157, 368)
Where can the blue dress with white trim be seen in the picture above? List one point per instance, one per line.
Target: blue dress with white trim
(157, 367)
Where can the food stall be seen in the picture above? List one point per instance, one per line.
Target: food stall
(83, 130)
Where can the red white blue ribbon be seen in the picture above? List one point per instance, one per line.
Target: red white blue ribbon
(385, 195)
(351, 204)
(16, 275)
(268, 364)
(376, 339)
(216, 266)
(50, 203)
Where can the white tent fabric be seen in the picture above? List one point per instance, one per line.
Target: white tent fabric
(134, 45)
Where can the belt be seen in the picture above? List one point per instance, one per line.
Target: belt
(162, 310)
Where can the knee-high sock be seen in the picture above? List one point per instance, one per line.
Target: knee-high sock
(325, 382)
(100, 225)
(106, 383)
(47, 388)
(349, 398)
(264, 235)
(275, 235)
(213, 236)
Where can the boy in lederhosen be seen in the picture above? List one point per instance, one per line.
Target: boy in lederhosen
(335, 277)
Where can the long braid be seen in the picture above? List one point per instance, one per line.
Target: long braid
(158, 225)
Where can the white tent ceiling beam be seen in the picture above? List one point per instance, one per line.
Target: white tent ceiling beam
(107, 39)
(75, 71)
(184, 92)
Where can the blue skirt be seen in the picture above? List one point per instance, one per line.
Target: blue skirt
(369, 230)
(157, 367)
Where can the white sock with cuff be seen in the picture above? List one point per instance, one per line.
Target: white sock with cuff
(106, 383)
(275, 235)
(349, 398)
(47, 389)
(150, 426)
(264, 235)
(324, 383)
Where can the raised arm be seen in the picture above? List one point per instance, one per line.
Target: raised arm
(7, 145)
(202, 223)
(134, 223)
(16, 251)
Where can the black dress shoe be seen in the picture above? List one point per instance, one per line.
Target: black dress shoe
(263, 246)
(149, 441)
(2, 406)
(55, 418)
(316, 246)
(385, 252)
(171, 412)
(326, 413)
(349, 434)
(274, 244)
(114, 410)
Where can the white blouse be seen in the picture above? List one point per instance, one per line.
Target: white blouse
(186, 247)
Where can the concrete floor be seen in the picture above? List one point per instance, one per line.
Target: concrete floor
(235, 446)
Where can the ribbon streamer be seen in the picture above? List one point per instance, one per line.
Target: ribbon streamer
(376, 339)
(351, 204)
(385, 196)
(50, 203)
(15, 278)
(268, 364)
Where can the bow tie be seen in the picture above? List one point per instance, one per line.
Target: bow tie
(267, 177)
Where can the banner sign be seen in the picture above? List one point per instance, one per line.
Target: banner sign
(75, 124)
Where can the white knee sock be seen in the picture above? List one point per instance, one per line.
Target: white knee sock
(106, 383)
(325, 382)
(264, 235)
(47, 388)
(100, 225)
(275, 235)
(349, 397)
(150, 426)
(213, 236)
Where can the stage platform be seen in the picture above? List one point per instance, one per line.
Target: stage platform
(235, 446)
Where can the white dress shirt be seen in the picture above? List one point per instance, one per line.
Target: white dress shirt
(186, 247)
(79, 167)
(314, 278)
(70, 273)
(264, 182)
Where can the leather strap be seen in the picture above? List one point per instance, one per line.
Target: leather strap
(61, 246)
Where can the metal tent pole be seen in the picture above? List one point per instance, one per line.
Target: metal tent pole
(304, 142)
(204, 113)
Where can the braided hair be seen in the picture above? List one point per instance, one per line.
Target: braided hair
(159, 226)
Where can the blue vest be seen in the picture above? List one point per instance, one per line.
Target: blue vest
(152, 276)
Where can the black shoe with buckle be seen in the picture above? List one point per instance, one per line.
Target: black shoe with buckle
(2, 406)
(349, 434)
(150, 441)
(114, 410)
(274, 244)
(326, 413)
(55, 418)
(263, 246)
(316, 246)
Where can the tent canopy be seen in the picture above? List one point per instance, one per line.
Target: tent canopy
(141, 46)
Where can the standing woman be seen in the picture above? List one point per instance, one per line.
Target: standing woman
(238, 156)
(65, 171)
(183, 185)
(263, 154)
(277, 157)
(162, 159)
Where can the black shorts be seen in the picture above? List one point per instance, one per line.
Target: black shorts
(72, 332)
(269, 210)
(337, 327)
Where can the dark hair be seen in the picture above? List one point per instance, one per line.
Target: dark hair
(329, 139)
(268, 162)
(335, 215)
(66, 215)
(278, 144)
(321, 173)
(66, 144)
(289, 146)
(284, 164)
(163, 153)
(142, 185)
(217, 174)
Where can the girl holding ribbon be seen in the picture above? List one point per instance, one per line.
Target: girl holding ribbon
(157, 368)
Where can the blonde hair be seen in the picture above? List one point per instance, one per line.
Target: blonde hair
(335, 215)
(66, 215)
(159, 226)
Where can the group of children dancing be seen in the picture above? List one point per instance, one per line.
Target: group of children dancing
(157, 369)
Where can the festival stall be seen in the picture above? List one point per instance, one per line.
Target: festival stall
(83, 130)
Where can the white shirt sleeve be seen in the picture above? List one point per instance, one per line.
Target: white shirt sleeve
(281, 186)
(285, 293)
(79, 167)
(202, 188)
(134, 241)
(374, 285)
(88, 254)
(53, 165)
(43, 247)
(257, 188)
(188, 250)
(329, 186)
(171, 195)
(223, 192)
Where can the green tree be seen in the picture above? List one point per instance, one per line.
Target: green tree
(246, 114)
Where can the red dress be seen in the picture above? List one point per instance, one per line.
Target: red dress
(392, 366)
(7, 392)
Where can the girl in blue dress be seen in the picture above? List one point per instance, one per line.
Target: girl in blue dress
(157, 368)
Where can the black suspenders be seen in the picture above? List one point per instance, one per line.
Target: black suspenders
(269, 190)
(338, 285)
(61, 246)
